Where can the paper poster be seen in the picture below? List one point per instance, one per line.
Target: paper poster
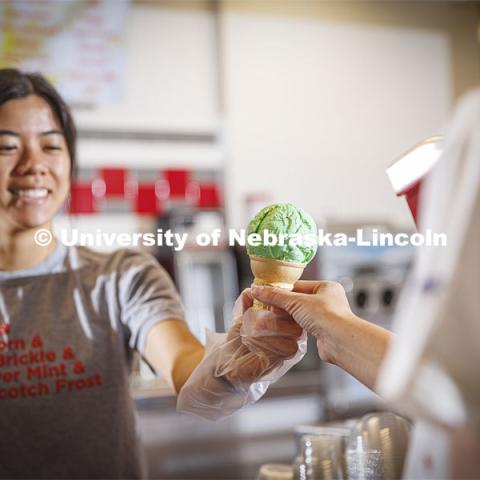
(77, 44)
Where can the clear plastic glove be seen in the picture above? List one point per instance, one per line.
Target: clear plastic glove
(258, 342)
(238, 367)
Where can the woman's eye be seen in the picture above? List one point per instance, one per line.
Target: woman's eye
(52, 148)
(7, 148)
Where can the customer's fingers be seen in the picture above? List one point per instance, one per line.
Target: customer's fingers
(305, 286)
(287, 301)
(243, 303)
(311, 287)
(247, 299)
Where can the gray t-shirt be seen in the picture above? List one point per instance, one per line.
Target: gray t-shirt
(67, 331)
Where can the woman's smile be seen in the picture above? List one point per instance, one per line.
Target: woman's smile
(30, 196)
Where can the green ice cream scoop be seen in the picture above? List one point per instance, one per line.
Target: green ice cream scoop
(293, 223)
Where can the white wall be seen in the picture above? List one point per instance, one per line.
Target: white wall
(171, 72)
(171, 85)
(317, 109)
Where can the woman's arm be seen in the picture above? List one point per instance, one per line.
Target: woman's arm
(173, 351)
(343, 339)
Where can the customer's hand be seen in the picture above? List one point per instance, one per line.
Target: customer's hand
(259, 341)
(343, 339)
(317, 306)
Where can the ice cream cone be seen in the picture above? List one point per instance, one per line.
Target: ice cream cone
(274, 273)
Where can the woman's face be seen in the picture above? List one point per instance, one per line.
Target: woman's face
(34, 164)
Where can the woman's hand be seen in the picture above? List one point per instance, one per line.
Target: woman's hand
(343, 339)
(238, 367)
(258, 341)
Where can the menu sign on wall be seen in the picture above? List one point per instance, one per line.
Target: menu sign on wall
(77, 44)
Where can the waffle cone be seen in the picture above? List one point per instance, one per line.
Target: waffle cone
(274, 273)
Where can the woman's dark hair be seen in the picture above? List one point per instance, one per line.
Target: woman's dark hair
(15, 84)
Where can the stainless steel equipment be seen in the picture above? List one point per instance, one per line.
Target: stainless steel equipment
(377, 447)
(207, 283)
(205, 276)
(373, 447)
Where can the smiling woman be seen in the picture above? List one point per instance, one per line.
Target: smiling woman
(70, 317)
(37, 153)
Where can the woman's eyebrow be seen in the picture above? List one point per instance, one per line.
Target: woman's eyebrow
(52, 132)
(15, 134)
(9, 132)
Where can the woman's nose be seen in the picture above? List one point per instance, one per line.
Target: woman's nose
(31, 162)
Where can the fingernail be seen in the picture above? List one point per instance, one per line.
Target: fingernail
(257, 289)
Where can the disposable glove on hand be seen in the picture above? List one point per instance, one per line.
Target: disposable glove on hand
(258, 342)
(238, 367)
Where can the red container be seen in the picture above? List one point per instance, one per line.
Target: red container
(146, 202)
(208, 196)
(81, 198)
(177, 181)
(115, 179)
